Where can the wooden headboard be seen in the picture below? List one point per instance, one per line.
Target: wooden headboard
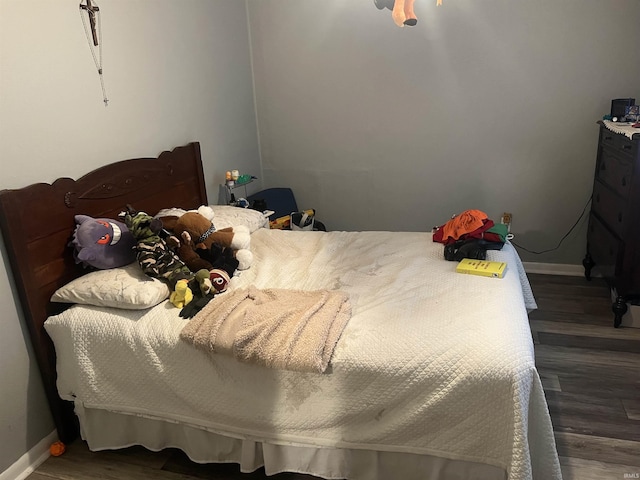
(37, 223)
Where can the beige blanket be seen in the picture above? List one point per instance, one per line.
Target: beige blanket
(278, 328)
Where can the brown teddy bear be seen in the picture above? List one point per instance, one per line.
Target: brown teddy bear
(198, 234)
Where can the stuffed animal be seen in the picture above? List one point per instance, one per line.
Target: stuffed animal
(403, 14)
(157, 260)
(402, 11)
(203, 235)
(102, 243)
(218, 261)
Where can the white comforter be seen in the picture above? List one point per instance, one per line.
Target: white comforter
(431, 362)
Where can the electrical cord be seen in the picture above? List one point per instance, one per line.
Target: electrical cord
(584, 210)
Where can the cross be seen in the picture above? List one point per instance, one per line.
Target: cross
(91, 11)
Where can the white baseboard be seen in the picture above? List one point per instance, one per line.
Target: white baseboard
(31, 460)
(555, 269)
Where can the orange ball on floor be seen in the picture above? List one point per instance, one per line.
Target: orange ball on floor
(57, 448)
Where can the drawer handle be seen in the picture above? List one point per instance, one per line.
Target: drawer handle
(627, 147)
(608, 138)
(620, 217)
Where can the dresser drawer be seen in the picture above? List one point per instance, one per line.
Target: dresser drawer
(604, 247)
(607, 137)
(618, 143)
(611, 208)
(625, 145)
(616, 171)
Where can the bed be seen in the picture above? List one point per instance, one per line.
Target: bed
(433, 376)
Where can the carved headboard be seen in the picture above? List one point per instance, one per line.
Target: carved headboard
(37, 223)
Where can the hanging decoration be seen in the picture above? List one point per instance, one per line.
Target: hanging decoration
(401, 11)
(93, 31)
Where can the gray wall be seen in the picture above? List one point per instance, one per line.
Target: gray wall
(175, 72)
(487, 104)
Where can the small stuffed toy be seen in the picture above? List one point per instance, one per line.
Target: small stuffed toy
(182, 295)
(102, 243)
(218, 261)
(157, 260)
(190, 304)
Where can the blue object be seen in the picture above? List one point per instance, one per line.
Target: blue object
(242, 202)
(283, 203)
(279, 199)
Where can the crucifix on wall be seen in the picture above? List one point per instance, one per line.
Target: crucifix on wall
(93, 31)
(91, 10)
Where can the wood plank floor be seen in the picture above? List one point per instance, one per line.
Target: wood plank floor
(590, 371)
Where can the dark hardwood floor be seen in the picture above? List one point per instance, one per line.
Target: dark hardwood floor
(590, 372)
(591, 375)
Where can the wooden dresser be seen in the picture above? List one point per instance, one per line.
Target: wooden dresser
(613, 238)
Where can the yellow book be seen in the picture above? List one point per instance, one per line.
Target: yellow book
(484, 268)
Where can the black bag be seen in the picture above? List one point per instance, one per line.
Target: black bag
(473, 248)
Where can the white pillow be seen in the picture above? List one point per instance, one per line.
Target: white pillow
(125, 287)
(228, 216)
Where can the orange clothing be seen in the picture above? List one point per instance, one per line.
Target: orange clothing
(462, 224)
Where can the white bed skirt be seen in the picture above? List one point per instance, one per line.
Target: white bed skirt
(106, 430)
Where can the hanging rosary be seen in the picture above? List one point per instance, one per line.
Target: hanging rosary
(95, 39)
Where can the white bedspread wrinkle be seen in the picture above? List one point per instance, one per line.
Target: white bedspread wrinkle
(431, 361)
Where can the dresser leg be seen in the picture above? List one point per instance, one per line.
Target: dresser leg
(619, 308)
(588, 264)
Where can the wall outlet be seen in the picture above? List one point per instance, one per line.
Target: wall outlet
(506, 220)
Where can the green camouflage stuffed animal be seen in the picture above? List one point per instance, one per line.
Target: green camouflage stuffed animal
(157, 260)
